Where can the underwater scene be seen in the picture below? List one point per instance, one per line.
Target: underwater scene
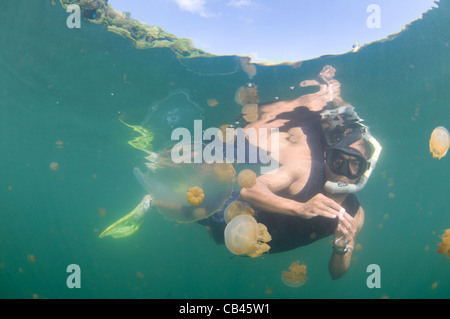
(99, 197)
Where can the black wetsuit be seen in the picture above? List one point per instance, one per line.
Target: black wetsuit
(290, 232)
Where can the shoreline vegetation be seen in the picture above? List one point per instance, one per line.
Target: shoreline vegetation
(142, 36)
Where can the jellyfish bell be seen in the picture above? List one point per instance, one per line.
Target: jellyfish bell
(232, 210)
(243, 235)
(293, 280)
(295, 276)
(444, 246)
(439, 142)
(185, 191)
(236, 208)
(247, 178)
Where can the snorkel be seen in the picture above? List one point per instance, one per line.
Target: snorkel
(346, 116)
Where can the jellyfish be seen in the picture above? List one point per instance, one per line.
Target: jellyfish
(54, 166)
(247, 178)
(31, 258)
(295, 276)
(243, 235)
(236, 208)
(439, 142)
(444, 246)
(194, 196)
(232, 210)
(212, 102)
(167, 183)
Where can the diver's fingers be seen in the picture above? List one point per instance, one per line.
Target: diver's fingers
(326, 211)
(347, 228)
(331, 205)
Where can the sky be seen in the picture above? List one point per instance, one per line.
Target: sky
(276, 31)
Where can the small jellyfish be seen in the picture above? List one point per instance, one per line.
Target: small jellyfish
(243, 235)
(439, 142)
(101, 212)
(31, 258)
(212, 102)
(54, 166)
(444, 246)
(247, 178)
(295, 276)
(194, 196)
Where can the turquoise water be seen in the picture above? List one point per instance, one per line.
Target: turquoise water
(60, 84)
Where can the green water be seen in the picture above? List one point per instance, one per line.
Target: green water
(60, 84)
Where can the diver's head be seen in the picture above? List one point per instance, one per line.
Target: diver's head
(346, 164)
(351, 152)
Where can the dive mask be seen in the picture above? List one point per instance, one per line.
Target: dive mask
(346, 162)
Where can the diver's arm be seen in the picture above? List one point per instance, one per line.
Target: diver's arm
(339, 263)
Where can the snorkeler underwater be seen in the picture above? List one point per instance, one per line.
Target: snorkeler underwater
(138, 162)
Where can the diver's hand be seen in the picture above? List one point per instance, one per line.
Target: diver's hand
(320, 205)
(346, 230)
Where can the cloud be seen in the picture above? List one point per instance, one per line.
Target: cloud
(194, 6)
(240, 3)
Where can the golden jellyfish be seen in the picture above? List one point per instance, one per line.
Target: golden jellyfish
(247, 178)
(101, 212)
(243, 235)
(232, 210)
(212, 102)
(236, 208)
(194, 196)
(439, 142)
(31, 258)
(444, 246)
(54, 166)
(295, 276)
